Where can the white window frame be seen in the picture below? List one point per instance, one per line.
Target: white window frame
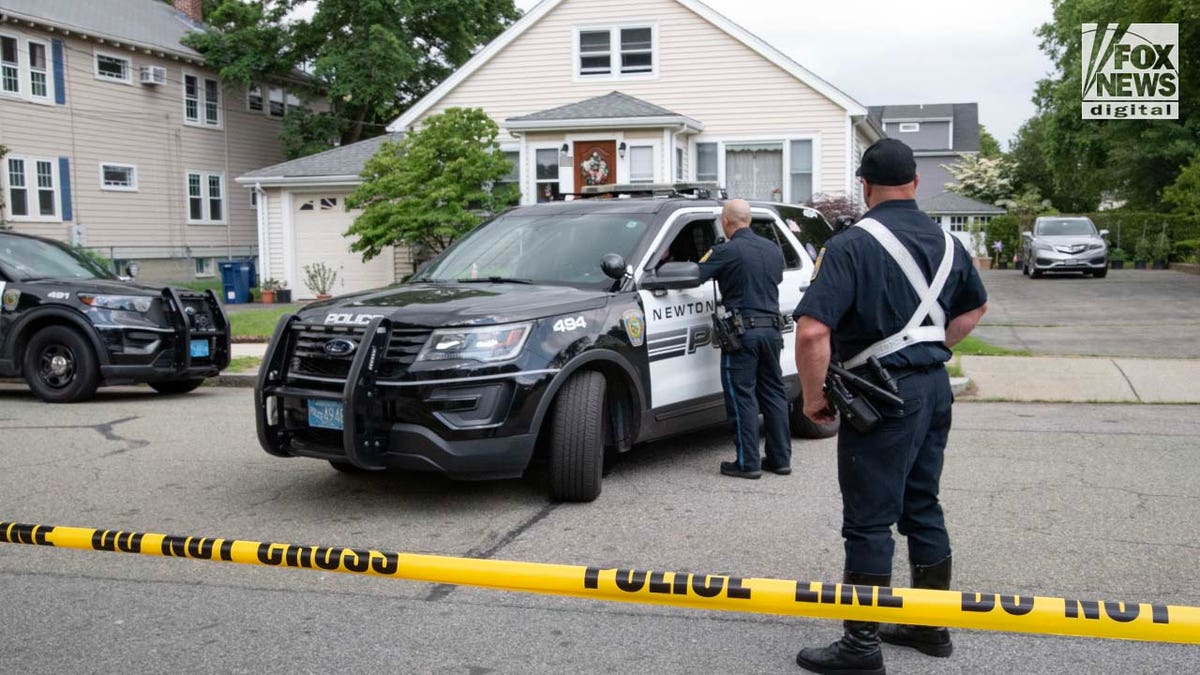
(262, 98)
(133, 174)
(960, 223)
(32, 189)
(532, 173)
(205, 212)
(282, 101)
(20, 93)
(206, 269)
(786, 139)
(201, 119)
(909, 127)
(48, 72)
(97, 53)
(614, 51)
(626, 164)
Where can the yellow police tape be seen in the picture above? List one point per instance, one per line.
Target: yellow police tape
(984, 611)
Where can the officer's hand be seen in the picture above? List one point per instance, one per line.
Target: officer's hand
(819, 410)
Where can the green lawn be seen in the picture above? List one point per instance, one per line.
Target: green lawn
(257, 322)
(973, 346)
(243, 364)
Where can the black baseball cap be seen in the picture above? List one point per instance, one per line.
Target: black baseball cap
(888, 162)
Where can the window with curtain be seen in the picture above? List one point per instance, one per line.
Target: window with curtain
(706, 162)
(641, 164)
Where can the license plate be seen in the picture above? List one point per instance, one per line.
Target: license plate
(199, 348)
(325, 415)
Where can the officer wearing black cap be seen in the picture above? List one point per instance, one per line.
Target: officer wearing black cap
(749, 269)
(894, 288)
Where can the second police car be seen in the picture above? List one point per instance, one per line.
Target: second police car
(574, 329)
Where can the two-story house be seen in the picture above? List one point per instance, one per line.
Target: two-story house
(940, 134)
(599, 91)
(120, 139)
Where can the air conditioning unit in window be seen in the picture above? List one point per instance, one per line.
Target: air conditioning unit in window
(154, 75)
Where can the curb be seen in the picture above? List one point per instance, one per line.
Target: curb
(240, 380)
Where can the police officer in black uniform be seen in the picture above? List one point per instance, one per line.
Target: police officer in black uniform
(749, 269)
(863, 297)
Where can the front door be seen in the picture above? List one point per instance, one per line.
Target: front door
(595, 163)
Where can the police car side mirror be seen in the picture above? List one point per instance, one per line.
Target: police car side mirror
(1104, 234)
(672, 275)
(613, 266)
(1027, 234)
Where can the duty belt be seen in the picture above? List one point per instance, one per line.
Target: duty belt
(762, 321)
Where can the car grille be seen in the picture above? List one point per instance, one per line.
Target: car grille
(309, 357)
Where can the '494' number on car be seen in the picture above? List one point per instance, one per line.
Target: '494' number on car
(569, 324)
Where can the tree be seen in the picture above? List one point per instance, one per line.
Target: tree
(983, 178)
(1184, 194)
(988, 145)
(834, 206)
(433, 186)
(371, 59)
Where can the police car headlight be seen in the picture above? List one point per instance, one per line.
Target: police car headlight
(493, 343)
(124, 303)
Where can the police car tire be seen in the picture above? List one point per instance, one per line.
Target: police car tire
(803, 427)
(577, 439)
(87, 372)
(176, 386)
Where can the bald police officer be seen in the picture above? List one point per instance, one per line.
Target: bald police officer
(749, 269)
(896, 287)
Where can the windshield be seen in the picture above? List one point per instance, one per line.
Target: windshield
(1065, 226)
(551, 249)
(25, 259)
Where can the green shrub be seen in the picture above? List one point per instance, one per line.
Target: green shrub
(1141, 251)
(1005, 229)
(1117, 255)
(1161, 249)
(1186, 250)
(1126, 226)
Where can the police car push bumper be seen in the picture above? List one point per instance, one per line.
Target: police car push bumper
(371, 443)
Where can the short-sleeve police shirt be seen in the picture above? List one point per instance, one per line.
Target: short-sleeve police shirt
(749, 270)
(860, 292)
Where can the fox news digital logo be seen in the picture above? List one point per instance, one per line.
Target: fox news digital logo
(1131, 73)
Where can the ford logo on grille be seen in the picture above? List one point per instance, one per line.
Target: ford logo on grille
(340, 347)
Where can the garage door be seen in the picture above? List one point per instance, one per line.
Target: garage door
(319, 222)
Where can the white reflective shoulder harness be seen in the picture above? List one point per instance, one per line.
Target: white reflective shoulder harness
(913, 332)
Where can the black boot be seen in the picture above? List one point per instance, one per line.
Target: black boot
(857, 653)
(925, 639)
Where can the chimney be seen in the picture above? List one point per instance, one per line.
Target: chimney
(193, 8)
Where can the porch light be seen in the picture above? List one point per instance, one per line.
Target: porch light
(621, 149)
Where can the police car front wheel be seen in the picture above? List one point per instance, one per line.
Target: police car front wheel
(577, 438)
(60, 366)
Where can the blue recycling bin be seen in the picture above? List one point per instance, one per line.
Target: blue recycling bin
(237, 276)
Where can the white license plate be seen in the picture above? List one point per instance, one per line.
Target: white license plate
(199, 349)
(325, 414)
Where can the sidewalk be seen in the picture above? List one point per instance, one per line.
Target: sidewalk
(1084, 379)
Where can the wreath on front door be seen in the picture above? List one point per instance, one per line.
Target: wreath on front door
(594, 169)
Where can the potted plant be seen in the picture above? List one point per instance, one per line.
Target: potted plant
(998, 261)
(1160, 251)
(1141, 253)
(319, 278)
(267, 290)
(1116, 259)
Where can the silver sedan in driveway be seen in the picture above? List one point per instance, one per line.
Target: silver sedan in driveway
(1064, 244)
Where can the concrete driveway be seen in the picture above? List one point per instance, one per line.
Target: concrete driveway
(1130, 313)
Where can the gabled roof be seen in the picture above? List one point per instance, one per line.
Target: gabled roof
(150, 24)
(341, 164)
(612, 109)
(702, 10)
(963, 116)
(945, 203)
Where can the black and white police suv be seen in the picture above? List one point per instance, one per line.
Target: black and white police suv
(572, 328)
(68, 326)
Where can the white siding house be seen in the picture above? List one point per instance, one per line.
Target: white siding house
(626, 91)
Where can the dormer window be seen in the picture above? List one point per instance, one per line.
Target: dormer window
(910, 127)
(616, 51)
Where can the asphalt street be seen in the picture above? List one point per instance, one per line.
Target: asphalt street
(1083, 501)
(1152, 313)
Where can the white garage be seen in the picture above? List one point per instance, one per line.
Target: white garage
(302, 219)
(318, 224)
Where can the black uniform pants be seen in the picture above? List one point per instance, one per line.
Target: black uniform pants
(753, 383)
(891, 475)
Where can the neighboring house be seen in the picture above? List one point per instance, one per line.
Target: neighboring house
(121, 140)
(610, 91)
(939, 134)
